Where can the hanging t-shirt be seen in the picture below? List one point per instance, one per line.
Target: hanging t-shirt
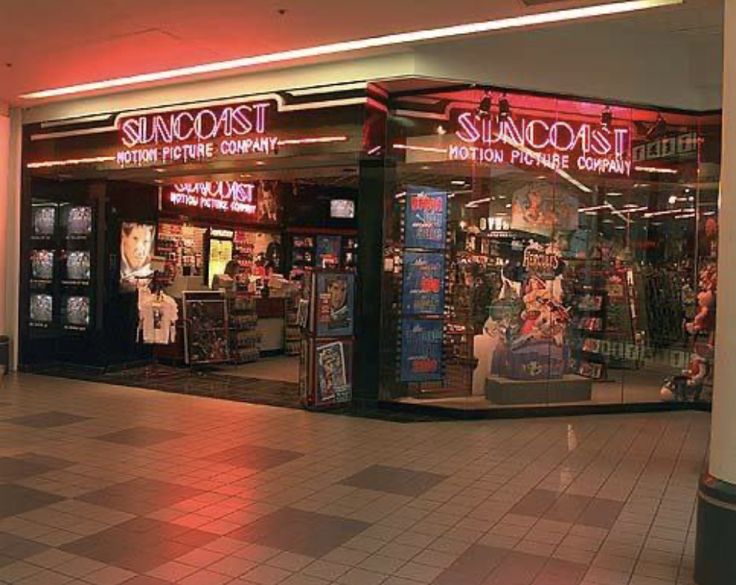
(157, 317)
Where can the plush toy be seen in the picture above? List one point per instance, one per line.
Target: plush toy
(705, 317)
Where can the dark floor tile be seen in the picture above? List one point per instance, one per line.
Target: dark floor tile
(601, 513)
(535, 503)
(140, 496)
(567, 508)
(140, 436)
(16, 547)
(146, 580)
(27, 465)
(517, 569)
(559, 572)
(306, 533)
(474, 566)
(16, 499)
(254, 457)
(138, 545)
(394, 480)
(45, 420)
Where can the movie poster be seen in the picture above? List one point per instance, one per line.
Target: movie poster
(423, 291)
(425, 219)
(335, 304)
(333, 382)
(421, 350)
(543, 209)
(328, 251)
(136, 250)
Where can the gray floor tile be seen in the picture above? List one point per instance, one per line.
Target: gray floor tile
(567, 508)
(601, 513)
(394, 480)
(140, 496)
(16, 547)
(140, 545)
(254, 457)
(306, 533)
(536, 503)
(16, 499)
(140, 436)
(45, 420)
(27, 465)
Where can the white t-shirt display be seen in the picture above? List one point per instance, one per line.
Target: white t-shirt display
(157, 317)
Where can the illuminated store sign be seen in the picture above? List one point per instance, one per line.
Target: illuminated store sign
(216, 196)
(555, 144)
(186, 136)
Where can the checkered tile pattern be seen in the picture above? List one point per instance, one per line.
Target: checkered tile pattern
(109, 485)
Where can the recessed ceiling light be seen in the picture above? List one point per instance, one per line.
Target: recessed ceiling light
(473, 28)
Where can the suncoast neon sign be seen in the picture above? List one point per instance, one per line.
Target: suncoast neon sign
(217, 196)
(539, 142)
(195, 135)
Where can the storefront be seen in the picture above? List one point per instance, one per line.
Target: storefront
(455, 247)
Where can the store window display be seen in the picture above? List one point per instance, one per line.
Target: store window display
(580, 258)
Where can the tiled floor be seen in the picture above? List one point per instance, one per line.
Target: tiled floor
(103, 484)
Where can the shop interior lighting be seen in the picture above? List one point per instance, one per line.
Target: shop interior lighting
(441, 131)
(400, 195)
(660, 170)
(685, 216)
(485, 105)
(312, 140)
(607, 206)
(672, 199)
(474, 28)
(666, 212)
(420, 148)
(458, 182)
(606, 117)
(504, 109)
(69, 162)
(614, 194)
(477, 202)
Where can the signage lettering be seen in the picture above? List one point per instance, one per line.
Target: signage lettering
(219, 196)
(195, 135)
(545, 143)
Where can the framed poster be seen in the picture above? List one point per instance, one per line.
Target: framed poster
(335, 302)
(423, 286)
(205, 327)
(333, 369)
(425, 219)
(421, 350)
(136, 251)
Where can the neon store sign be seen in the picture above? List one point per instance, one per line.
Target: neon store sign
(231, 197)
(187, 136)
(544, 143)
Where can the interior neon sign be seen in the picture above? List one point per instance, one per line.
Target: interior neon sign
(218, 196)
(539, 142)
(195, 135)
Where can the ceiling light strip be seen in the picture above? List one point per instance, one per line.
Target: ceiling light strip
(359, 44)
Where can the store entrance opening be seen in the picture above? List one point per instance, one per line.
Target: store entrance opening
(198, 284)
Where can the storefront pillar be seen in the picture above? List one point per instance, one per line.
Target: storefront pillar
(370, 264)
(10, 142)
(715, 562)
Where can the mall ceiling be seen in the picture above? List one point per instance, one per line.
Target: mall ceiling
(47, 43)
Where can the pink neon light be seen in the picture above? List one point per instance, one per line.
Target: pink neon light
(222, 196)
(70, 161)
(194, 125)
(313, 140)
(419, 148)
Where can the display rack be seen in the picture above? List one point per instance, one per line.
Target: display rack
(244, 337)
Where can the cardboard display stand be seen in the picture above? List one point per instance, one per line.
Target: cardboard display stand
(327, 318)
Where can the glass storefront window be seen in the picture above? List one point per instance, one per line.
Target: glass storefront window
(573, 260)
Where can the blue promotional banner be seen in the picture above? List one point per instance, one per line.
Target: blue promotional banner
(426, 218)
(421, 350)
(423, 287)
